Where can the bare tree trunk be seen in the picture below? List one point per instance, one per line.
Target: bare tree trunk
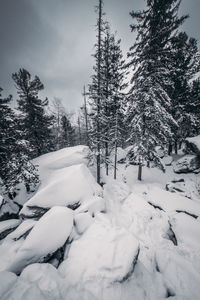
(99, 92)
(86, 116)
(79, 131)
(169, 148)
(140, 170)
(176, 147)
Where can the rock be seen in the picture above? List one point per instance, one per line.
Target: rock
(193, 145)
(187, 164)
(8, 226)
(167, 160)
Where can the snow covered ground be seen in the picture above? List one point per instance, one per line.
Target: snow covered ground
(128, 240)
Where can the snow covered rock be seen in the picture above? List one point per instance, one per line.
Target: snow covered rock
(180, 276)
(7, 280)
(193, 144)
(103, 252)
(187, 231)
(8, 209)
(69, 187)
(187, 188)
(187, 164)
(171, 202)
(83, 222)
(93, 205)
(48, 235)
(45, 277)
(22, 230)
(8, 226)
(167, 160)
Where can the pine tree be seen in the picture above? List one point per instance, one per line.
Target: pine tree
(14, 159)
(34, 121)
(149, 114)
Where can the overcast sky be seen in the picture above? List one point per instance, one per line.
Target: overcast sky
(54, 39)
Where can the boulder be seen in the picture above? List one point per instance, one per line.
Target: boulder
(187, 164)
(193, 145)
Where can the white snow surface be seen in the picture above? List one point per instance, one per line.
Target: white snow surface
(9, 224)
(67, 186)
(105, 234)
(49, 234)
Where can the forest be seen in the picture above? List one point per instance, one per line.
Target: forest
(106, 200)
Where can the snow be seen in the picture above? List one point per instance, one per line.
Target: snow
(83, 222)
(187, 230)
(9, 224)
(93, 206)
(66, 187)
(104, 251)
(171, 202)
(24, 227)
(56, 224)
(121, 240)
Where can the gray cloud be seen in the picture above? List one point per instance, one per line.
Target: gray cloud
(54, 39)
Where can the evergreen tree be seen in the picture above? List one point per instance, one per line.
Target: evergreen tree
(183, 58)
(110, 112)
(34, 121)
(149, 114)
(67, 132)
(14, 159)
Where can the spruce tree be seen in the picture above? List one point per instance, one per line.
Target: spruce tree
(67, 132)
(16, 166)
(184, 66)
(149, 113)
(34, 121)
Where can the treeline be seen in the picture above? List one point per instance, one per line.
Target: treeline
(32, 129)
(160, 104)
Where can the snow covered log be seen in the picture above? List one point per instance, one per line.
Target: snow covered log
(187, 164)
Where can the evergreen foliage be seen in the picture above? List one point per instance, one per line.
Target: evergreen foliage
(34, 122)
(149, 112)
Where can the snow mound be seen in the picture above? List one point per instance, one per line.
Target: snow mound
(69, 186)
(82, 222)
(61, 159)
(171, 202)
(48, 235)
(93, 205)
(104, 251)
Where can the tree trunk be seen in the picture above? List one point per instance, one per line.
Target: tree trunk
(115, 163)
(86, 117)
(98, 96)
(176, 147)
(169, 148)
(140, 172)
(106, 157)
